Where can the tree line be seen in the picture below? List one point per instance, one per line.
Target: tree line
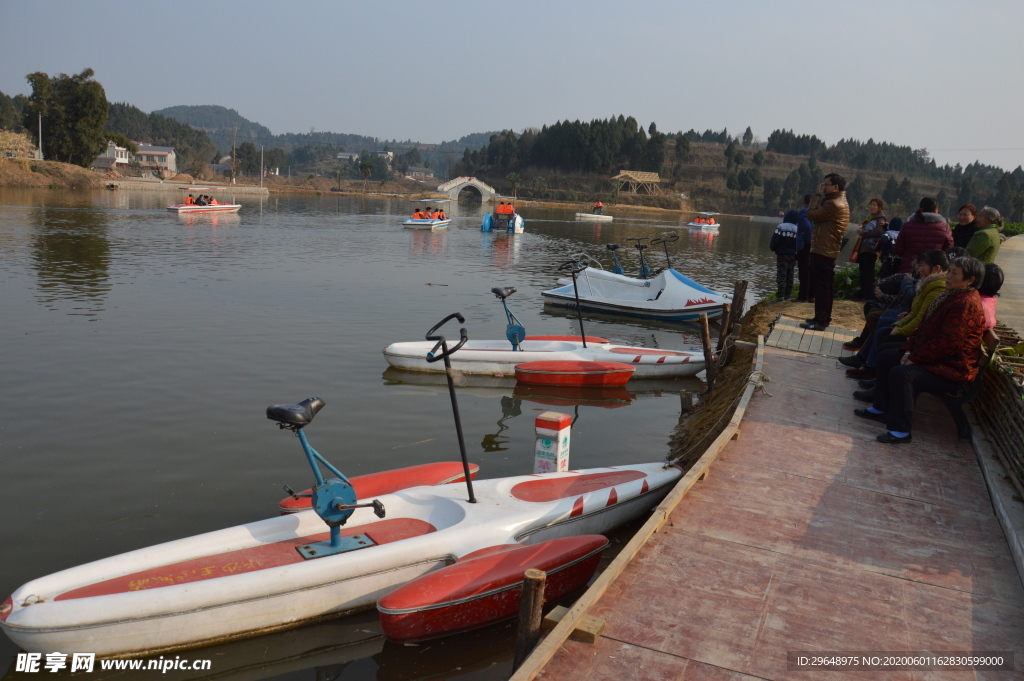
(599, 146)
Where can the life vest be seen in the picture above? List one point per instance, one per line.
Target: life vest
(190, 201)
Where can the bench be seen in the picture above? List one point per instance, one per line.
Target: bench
(955, 401)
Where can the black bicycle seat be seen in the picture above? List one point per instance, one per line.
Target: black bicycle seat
(612, 247)
(639, 246)
(503, 293)
(296, 415)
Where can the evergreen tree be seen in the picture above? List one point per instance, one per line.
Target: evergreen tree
(74, 111)
(968, 192)
(891, 195)
(759, 159)
(857, 192)
(748, 137)
(942, 199)
(905, 194)
(772, 190)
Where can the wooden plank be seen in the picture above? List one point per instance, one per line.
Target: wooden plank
(817, 338)
(805, 340)
(547, 648)
(588, 630)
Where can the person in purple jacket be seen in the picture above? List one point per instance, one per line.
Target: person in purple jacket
(925, 230)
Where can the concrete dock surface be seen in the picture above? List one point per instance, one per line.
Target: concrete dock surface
(808, 535)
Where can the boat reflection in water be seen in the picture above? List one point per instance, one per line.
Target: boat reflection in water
(425, 244)
(351, 647)
(209, 219)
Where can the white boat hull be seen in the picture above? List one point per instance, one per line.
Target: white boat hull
(593, 216)
(426, 224)
(77, 610)
(220, 208)
(493, 357)
(669, 296)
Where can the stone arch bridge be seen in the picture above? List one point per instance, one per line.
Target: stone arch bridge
(455, 187)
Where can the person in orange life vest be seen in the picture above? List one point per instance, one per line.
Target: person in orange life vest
(598, 207)
(436, 215)
(441, 215)
(417, 214)
(214, 202)
(501, 208)
(190, 201)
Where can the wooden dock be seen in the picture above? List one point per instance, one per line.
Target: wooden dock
(807, 535)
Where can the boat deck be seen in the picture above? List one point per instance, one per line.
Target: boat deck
(807, 535)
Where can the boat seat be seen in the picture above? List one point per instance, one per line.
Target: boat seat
(296, 415)
(503, 293)
(612, 247)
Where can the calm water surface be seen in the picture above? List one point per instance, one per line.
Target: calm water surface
(140, 349)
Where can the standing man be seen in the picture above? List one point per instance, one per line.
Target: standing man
(803, 253)
(830, 214)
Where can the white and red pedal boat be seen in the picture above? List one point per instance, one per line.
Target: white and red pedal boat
(495, 357)
(251, 579)
(193, 208)
(500, 357)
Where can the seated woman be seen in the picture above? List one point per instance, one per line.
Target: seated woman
(940, 356)
(899, 322)
(989, 289)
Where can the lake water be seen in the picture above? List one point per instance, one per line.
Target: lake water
(140, 349)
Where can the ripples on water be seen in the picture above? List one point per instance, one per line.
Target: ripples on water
(141, 348)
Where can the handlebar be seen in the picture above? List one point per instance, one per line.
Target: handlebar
(666, 239)
(571, 265)
(441, 342)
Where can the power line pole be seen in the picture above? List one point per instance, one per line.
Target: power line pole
(262, 169)
(40, 136)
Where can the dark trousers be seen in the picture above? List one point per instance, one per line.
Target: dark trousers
(784, 265)
(897, 385)
(803, 271)
(867, 275)
(822, 287)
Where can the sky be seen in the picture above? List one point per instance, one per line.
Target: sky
(938, 74)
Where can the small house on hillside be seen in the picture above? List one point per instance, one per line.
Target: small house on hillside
(421, 174)
(160, 159)
(113, 158)
(347, 156)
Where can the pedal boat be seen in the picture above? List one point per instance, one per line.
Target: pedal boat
(594, 216)
(192, 208)
(426, 223)
(500, 357)
(705, 221)
(250, 579)
(669, 296)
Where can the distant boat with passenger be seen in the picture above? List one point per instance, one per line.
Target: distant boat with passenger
(704, 220)
(204, 204)
(427, 219)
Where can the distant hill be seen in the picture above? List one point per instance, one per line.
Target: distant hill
(221, 124)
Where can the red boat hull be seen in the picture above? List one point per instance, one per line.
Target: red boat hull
(387, 482)
(573, 373)
(485, 587)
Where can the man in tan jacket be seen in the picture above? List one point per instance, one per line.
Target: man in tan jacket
(830, 214)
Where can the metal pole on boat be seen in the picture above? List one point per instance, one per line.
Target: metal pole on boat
(579, 310)
(442, 344)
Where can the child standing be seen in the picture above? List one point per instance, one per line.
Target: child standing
(784, 244)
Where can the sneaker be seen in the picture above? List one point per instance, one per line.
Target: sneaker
(855, 344)
(811, 326)
(865, 395)
(853, 361)
(809, 320)
(866, 383)
(861, 372)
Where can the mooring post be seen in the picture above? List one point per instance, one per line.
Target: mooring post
(739, 296)
(724, 326)
(705, 338)
(531, 611)
(686, 401)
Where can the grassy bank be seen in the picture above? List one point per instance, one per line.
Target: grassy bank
(26, 173)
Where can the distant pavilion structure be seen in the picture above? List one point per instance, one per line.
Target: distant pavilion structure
(638, 180)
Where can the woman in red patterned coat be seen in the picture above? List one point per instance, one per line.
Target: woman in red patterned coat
(940, 356)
